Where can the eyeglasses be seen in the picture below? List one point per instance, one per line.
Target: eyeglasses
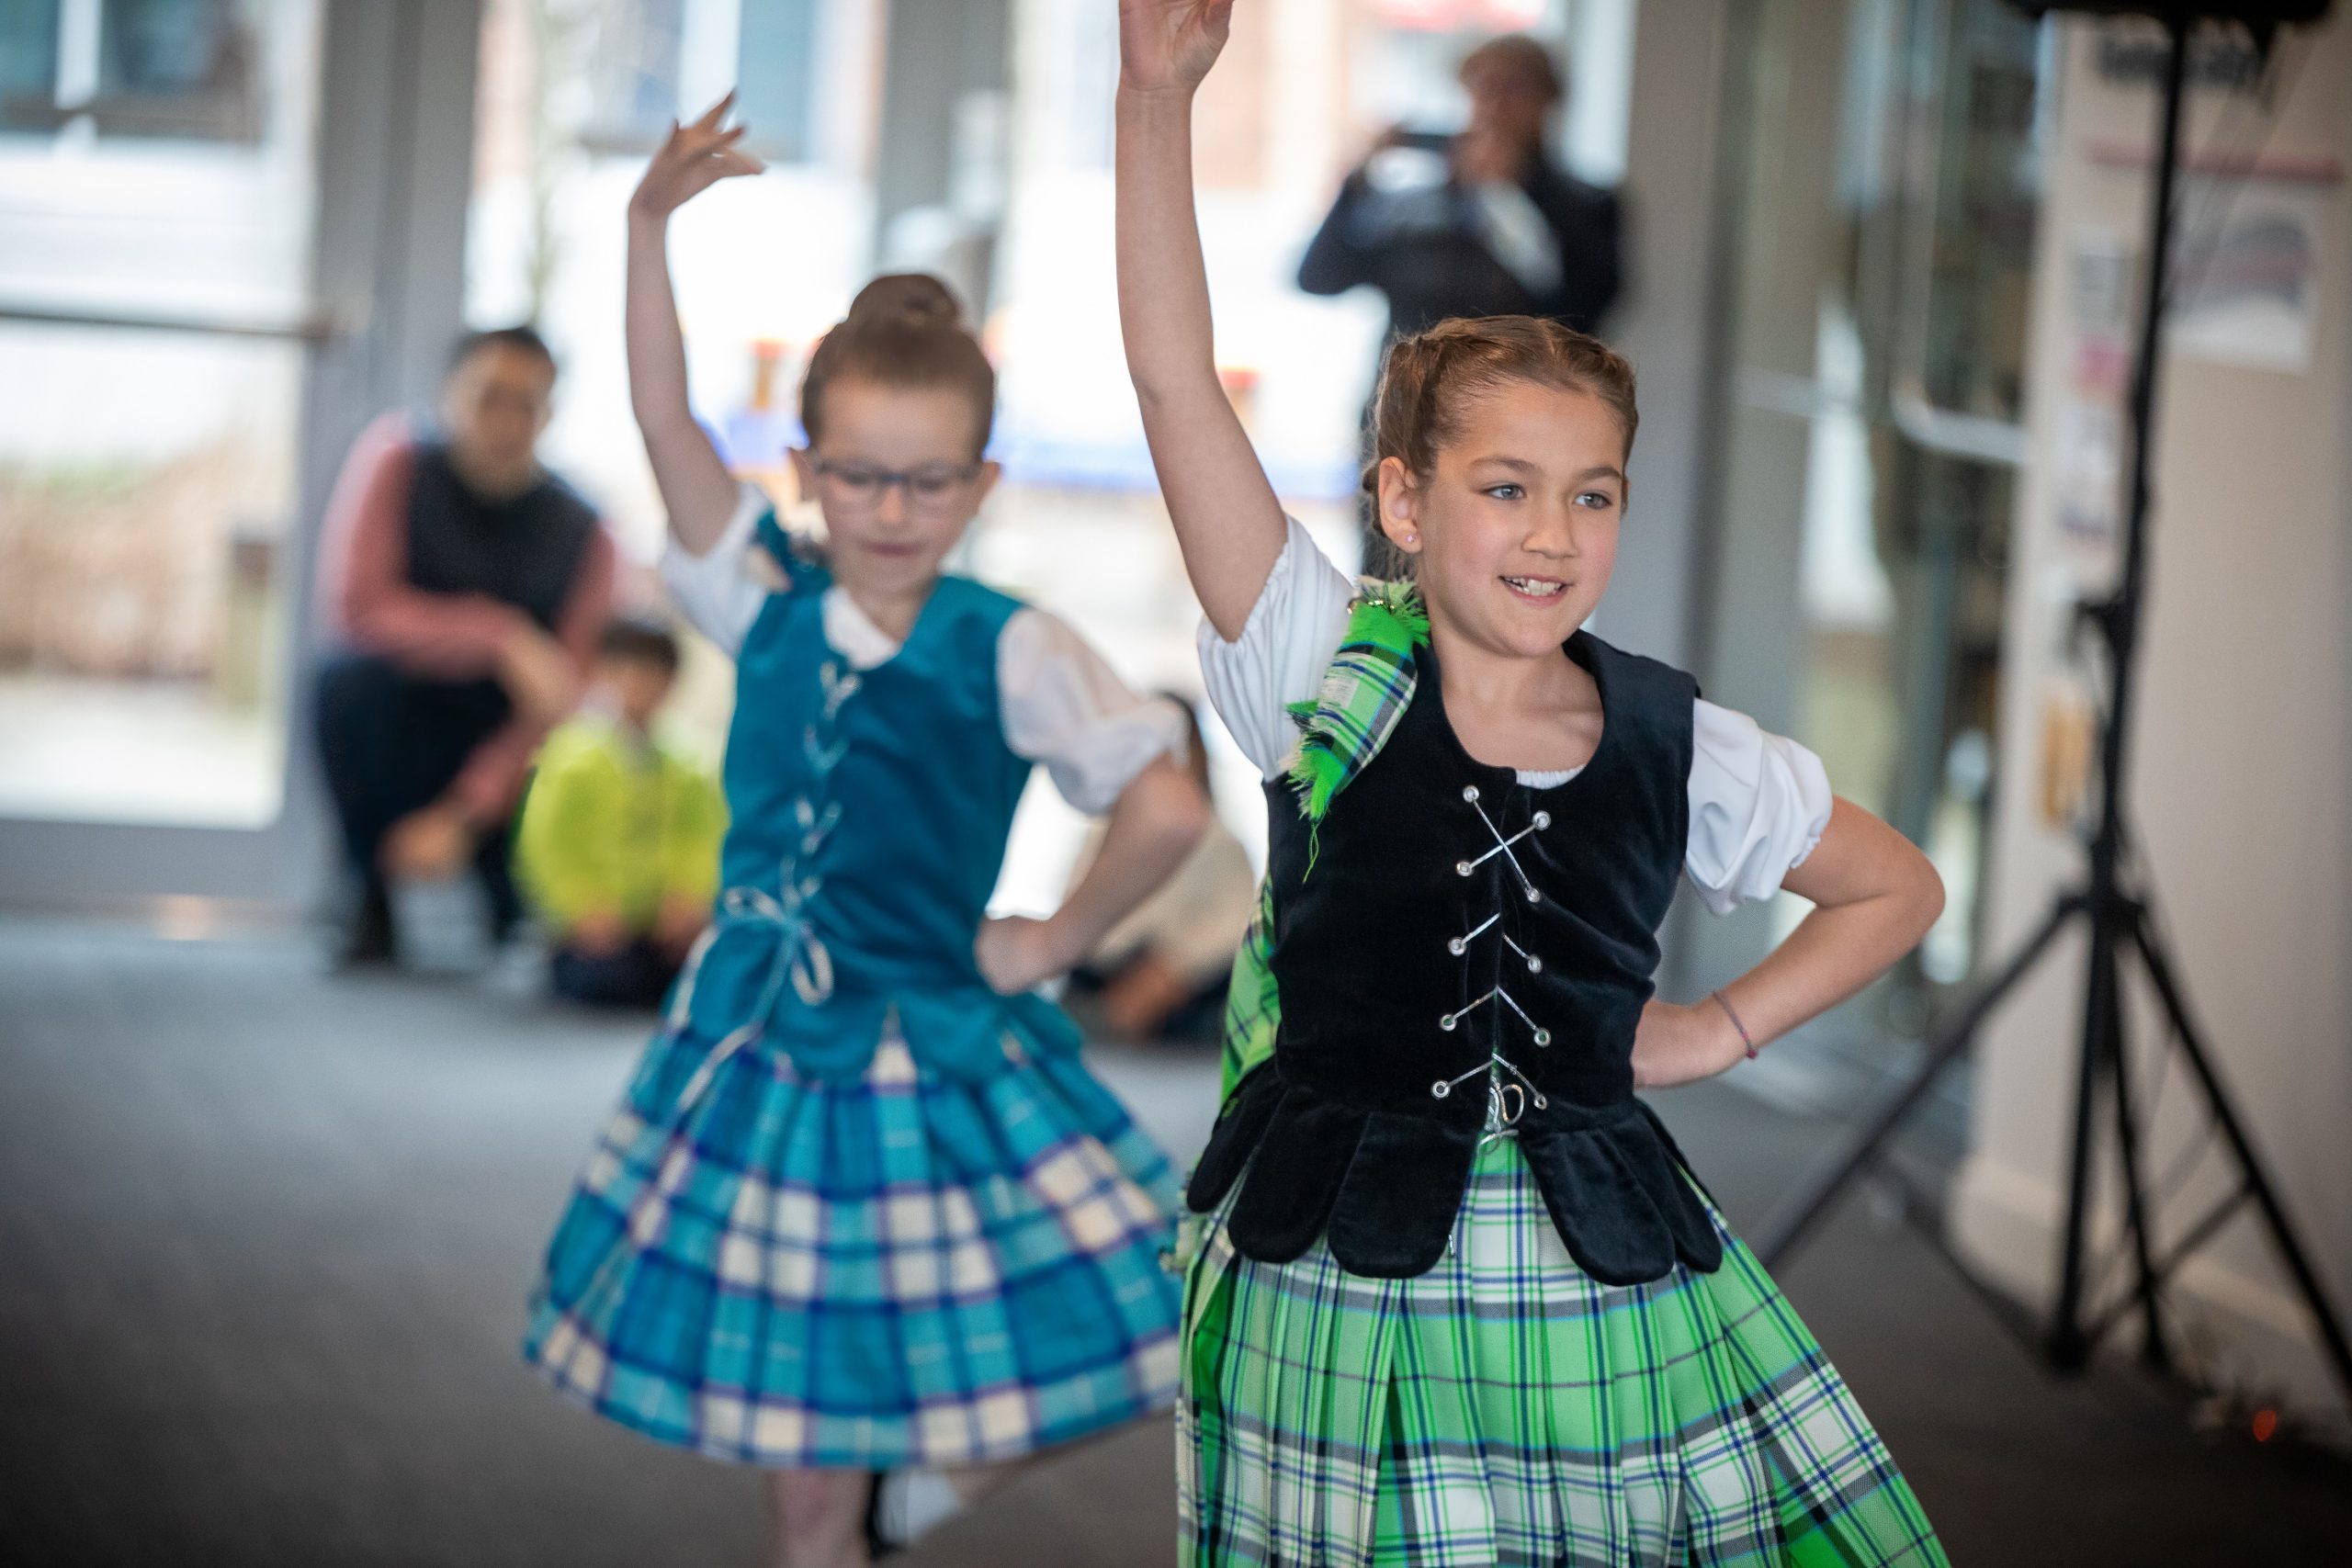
(860, 485)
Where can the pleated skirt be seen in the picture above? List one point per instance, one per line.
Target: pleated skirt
(1505, 1408)
(906, 1270)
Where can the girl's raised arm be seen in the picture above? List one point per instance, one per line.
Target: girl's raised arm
(697, 490)
(1227, 520)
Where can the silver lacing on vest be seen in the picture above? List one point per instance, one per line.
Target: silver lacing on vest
(1508, 1090)
(801, 959)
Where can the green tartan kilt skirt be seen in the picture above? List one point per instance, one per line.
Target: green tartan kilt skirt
(1505, 1408)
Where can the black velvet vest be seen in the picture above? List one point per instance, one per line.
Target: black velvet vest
(524, 550)
(1461, 940)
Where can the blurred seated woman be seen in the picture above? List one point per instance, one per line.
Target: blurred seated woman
(464, 587)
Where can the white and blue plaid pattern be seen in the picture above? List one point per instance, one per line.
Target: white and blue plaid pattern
(902, 1270)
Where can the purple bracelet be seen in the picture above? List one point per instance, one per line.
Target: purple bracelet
(1725, 1002)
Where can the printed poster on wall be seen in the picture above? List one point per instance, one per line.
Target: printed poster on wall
(2246, 288)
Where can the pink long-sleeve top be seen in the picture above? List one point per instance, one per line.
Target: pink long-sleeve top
(370, 604)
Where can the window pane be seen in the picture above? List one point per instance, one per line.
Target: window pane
(180, 68)
(148, 477)
(27, 63)
(146, 490)
(635, 56)
(778, 52)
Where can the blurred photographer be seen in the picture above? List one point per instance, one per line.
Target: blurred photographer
(1479, 223)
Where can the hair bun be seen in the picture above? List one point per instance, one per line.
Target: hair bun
(915, 299)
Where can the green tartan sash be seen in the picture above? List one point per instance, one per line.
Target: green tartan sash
(1252, 1008)
(1364, 693)
(1366, 690)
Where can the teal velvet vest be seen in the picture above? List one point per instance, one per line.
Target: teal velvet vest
(869, 811)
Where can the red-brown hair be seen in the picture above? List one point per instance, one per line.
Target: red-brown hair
(903, 330)
(1426, 379)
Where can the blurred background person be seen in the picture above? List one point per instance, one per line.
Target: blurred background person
(617, 843)
(1160, 974)
(228, 244)
(1482, 222)
(466, 587)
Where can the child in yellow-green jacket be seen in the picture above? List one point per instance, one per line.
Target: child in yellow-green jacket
(619, 847)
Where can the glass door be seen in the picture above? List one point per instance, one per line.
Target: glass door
(209, 284)
(155, 194)
(1887, 179)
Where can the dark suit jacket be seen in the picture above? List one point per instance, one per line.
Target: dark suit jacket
(1423, 250)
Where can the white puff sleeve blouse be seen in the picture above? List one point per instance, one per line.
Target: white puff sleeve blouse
(1062, 705)
(1759, 802)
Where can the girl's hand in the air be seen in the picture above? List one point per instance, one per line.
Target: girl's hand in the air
(1675, 1045)
(1168, 46)
(693, 158)
(1016, 954)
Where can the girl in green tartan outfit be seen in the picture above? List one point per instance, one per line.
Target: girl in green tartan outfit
(1456, 1298)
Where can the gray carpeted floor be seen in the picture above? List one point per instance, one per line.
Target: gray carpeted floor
(264, 1237)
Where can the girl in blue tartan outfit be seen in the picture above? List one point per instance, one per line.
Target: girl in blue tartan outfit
(1459, 1300)
(861, 1207)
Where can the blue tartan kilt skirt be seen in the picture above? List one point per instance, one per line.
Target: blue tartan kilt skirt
(904, 1269)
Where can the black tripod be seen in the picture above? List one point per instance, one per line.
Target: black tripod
(2119, 921)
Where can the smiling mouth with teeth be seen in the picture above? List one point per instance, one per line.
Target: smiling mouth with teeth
(1536, 587)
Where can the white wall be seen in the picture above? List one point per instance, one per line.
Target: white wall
(2244, 742)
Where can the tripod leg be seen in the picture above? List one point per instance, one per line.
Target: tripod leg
(2069, 1348)
(2325, 1317)
(1947, 1041)
(2154, 1350)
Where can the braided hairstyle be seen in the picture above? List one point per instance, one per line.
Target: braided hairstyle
(904, 331)
(1428, 378)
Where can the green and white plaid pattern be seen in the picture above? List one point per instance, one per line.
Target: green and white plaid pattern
(1253, 1009)
(1365, 691)
(1505, 1408)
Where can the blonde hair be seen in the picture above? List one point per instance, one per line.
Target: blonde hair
(903, 330)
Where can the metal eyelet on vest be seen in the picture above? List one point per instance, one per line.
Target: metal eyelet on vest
(1461, 944)
(1444, 1086)
(1508, 1098)
(1450, 1019)
(1542, 1035)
